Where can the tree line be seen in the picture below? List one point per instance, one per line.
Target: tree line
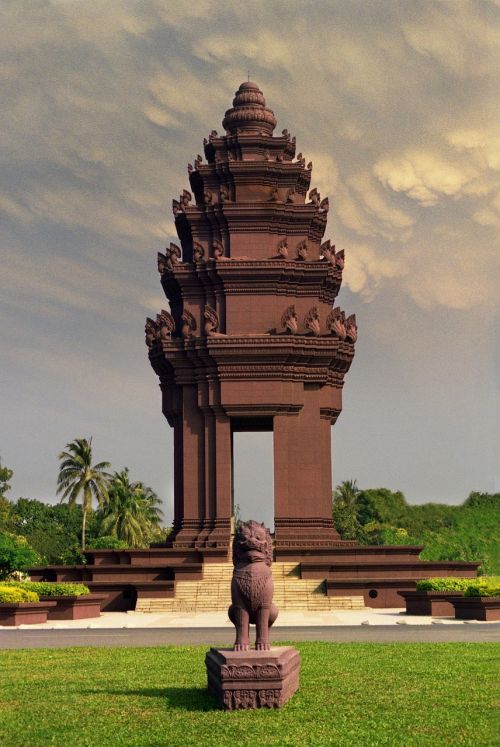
(97, 508)
(378, 516)
(106, 509)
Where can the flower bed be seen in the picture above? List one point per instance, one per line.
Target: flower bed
(50, 588)
(71, 601)
(434, 603)
(75, 607)
(20, 606)
(435, 596)
(481, 601)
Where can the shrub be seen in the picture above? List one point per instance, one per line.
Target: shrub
(15, 554)
(14, 594)
(484, 587)
(107, 543)
(445, 584)
(52, 588)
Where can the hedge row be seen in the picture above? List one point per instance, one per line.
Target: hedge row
(484, 587)
(50, 588)
(13, 595)
(459, 584)
(445, 584)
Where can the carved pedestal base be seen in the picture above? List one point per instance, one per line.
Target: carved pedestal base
(252, 679)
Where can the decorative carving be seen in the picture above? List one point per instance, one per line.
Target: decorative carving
(309, 166)
(252, 585)
(244, 699)
(351, 328)
(282, 248)
(302, 251)
(327, 252)
(314, 197)
(274, 194)
(270, 698)
(324, 205)
(151, 331)
(188, 324)
(162, 263)
(212, 135)
(185, 198)
(176, 207)
(311, 321)
(172, 255)
(279, 157)
(290, 195)
(340, 259)
(285, 134)
(335, 322)
(198, 252)
(190, 168)
(299, 157)
(165, 324)
(224, 194)
(207, 197)
(219, 251)
(211, 322)
(198, 161)
(250, 672)
(289, 320)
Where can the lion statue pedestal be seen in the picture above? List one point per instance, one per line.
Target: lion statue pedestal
(265, 677)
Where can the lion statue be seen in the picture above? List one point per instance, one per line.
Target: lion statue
(252, 585)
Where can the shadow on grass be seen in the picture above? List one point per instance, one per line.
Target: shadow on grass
(184, 698)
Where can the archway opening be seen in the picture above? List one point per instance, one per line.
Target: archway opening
(253, 470)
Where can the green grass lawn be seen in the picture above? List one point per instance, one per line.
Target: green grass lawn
(350, 694)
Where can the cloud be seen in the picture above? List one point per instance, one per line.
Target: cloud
(424, 176)
(104, 104)
(366, 269)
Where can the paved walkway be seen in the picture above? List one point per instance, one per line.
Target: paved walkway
(286, 618)
(469, 633)
(136, 629)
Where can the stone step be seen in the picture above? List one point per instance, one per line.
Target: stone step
(213, 592)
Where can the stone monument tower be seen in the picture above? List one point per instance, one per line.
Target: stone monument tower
(252, 340)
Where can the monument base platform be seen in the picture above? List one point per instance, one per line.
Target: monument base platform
(241, 680)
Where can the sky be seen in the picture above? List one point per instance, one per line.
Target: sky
(105, 102)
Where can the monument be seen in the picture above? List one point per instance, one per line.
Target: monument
(266, 677)
(252, 340)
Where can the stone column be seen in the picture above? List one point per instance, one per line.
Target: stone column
(302, 477)
(193, 467)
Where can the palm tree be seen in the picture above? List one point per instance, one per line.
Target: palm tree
(78, 477)
(131, 511)
(345, 508)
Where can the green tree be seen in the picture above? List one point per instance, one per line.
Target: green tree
(345, 509)
(5, 476)
(131, 511)
(80, 479)
(15, 554)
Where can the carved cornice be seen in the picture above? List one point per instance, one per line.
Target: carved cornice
(274, 276)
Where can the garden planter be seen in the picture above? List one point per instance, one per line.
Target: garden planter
(24, 613)
(434, 603)
(74, 607)
(477, 608)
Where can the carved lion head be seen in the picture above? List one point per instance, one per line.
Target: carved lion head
(252, 543)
